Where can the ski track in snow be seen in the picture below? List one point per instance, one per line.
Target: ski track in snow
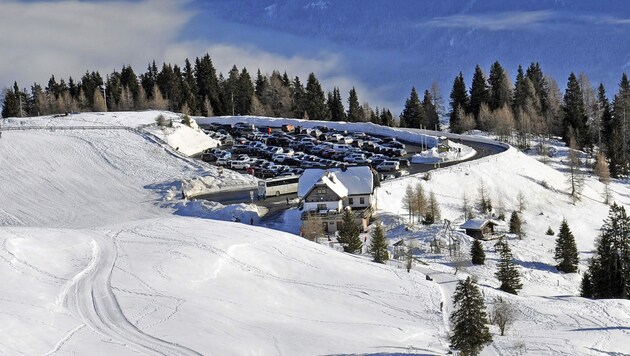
(91, 298)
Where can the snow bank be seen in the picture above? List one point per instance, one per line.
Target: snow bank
(433, 156)
(187, 140)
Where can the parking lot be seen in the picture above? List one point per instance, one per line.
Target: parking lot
(268, 152)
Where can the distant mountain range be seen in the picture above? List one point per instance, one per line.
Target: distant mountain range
(397, 44)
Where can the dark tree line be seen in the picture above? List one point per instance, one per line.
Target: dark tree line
(196, 89)
(534, 105)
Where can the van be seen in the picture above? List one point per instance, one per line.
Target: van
(388, 166)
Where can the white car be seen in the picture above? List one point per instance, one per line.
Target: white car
(388, 166)
(358, 158)
(239, 164)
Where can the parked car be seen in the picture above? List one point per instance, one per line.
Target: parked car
(388, 166)
(239, 165)
(223, 162)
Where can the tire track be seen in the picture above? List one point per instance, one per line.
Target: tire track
(91, 298)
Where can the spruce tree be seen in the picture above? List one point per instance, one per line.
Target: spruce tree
(611, 134)
(520, 91)
(378, 245)
(387, 119)
(335, 105)
(515, 224)
(610, 266)
(431, 119)
(621, 113)
(412, 114)
(478, 256)
(500, 93)
(469, 320)
(478, 93)
(349, 233)
(459, 104)
(298, 98)
(355, 113)
(575, 114)
(566, 251)
(507, 273)
(315, 100)
(586, 287)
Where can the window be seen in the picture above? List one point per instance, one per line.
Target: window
(321, 206)
(350, 201)
(321, 191)
(362, 200)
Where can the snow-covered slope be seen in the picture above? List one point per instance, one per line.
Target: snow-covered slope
(95, 259)
(550, 319)
(183, 285)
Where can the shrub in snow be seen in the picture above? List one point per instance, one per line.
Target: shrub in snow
(550, 232)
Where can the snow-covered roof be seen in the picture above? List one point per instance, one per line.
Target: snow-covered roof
(356, 179)
(332, 182)
(477, 224)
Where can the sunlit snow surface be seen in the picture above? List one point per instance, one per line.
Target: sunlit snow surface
(96, 259)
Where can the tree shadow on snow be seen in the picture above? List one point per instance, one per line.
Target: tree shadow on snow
(537, 266)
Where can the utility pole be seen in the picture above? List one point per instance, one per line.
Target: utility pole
(232, 94)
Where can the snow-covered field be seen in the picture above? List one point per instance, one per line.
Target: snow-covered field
(97, 258)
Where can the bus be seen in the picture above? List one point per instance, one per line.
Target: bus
(278, 186)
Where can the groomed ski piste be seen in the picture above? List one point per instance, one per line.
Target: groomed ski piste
(101, 255)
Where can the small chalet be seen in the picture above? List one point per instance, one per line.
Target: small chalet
(326, 192)
(480, 229)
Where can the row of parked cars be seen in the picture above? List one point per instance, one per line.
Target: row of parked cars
(269, 152)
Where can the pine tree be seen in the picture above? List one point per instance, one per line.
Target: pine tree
(431, 119)
(586, 287)
(500, 93)
(469, 320)
(349, 233)
(478, 93)
(378, 245)
(610, 266)
(387, 119)
(355, 113)
(459, 104)
(412, 114)
(477, 254)
(621, 113)
(207, 86)
(575, 114)
(566, 250)
(335, 105)
(515, 224)
(507, 273)
(315, 100)
(298, 99)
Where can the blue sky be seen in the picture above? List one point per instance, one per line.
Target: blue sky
(66, 38)
(409, 44)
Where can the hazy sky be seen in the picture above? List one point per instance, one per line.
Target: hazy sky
(401, 44)
(67, 38)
